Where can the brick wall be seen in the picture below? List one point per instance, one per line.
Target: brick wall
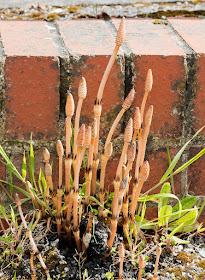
(40, 61)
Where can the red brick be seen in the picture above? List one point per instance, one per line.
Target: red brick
(2, 169)
(158, 161)
(90, 44)
(153, 47)
(192, 31)
(196, 174)
(32, 80)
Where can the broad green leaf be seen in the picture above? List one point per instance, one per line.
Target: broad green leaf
(177, 157)
(175, 230)
(188, 219)
(164, 215)
(186, 203)
(24, 166)
(163, 200)
(143, 224)
(201, 209)
(178, 240)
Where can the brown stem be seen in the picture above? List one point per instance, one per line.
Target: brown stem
(33, 274)
(87, 234)
(121, 256)
(29, 234)
(33, 198)
(158, 251)
(141, 266)
(143, 175)
(148, 88)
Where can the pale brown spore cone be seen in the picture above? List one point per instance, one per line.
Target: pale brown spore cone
(48, 173)
(87, 140)
(120, 38)
(81, 136)
(59, 148)
(70, 106)
(148, 116)
(128, 100)
(144, 172)
(137, 119)
(149, 81)
(82, 89)
(33, 198)
(128, 131)
(46, 155)
(131, 152)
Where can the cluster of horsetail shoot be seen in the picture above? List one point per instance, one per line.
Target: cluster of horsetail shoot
(65, 200)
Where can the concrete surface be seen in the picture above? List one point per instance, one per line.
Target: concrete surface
(27, 3)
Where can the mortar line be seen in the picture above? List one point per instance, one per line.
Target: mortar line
(190, 61)
(2, 90)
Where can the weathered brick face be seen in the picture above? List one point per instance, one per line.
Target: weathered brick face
(32, 97)
(42, 62)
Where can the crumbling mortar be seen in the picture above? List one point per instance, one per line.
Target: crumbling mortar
(190, 64)
(2, 91)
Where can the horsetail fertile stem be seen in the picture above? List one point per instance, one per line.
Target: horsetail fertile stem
(127, 139)
(125, 106)
(130, 157)
(33, 198)
(148, 88)
(141, 266)
(60, 152)
(136, 124)
(145, 133)
(88, 173)
(143, 175)
(87, 235)
(33, 274)
(104, 159)
(121, 256)
(29, 234)
(69, 109)
(97, 107)
(158, 252)
(79, 143)
(82, 92)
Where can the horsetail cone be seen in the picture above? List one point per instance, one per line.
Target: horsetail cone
(144, 171)
(46, 155)
(128, 100)
(148, 116)
(94, 129)
(137, 119)
(87, 141)
(120, 38)
(149, 81)
(108, 150)
(131, 152)
(48, 169)
(82, 88)
(128, 131)
(69, 107)
(59, 148)
(81, 136)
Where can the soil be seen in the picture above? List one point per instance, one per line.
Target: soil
(183, 262)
